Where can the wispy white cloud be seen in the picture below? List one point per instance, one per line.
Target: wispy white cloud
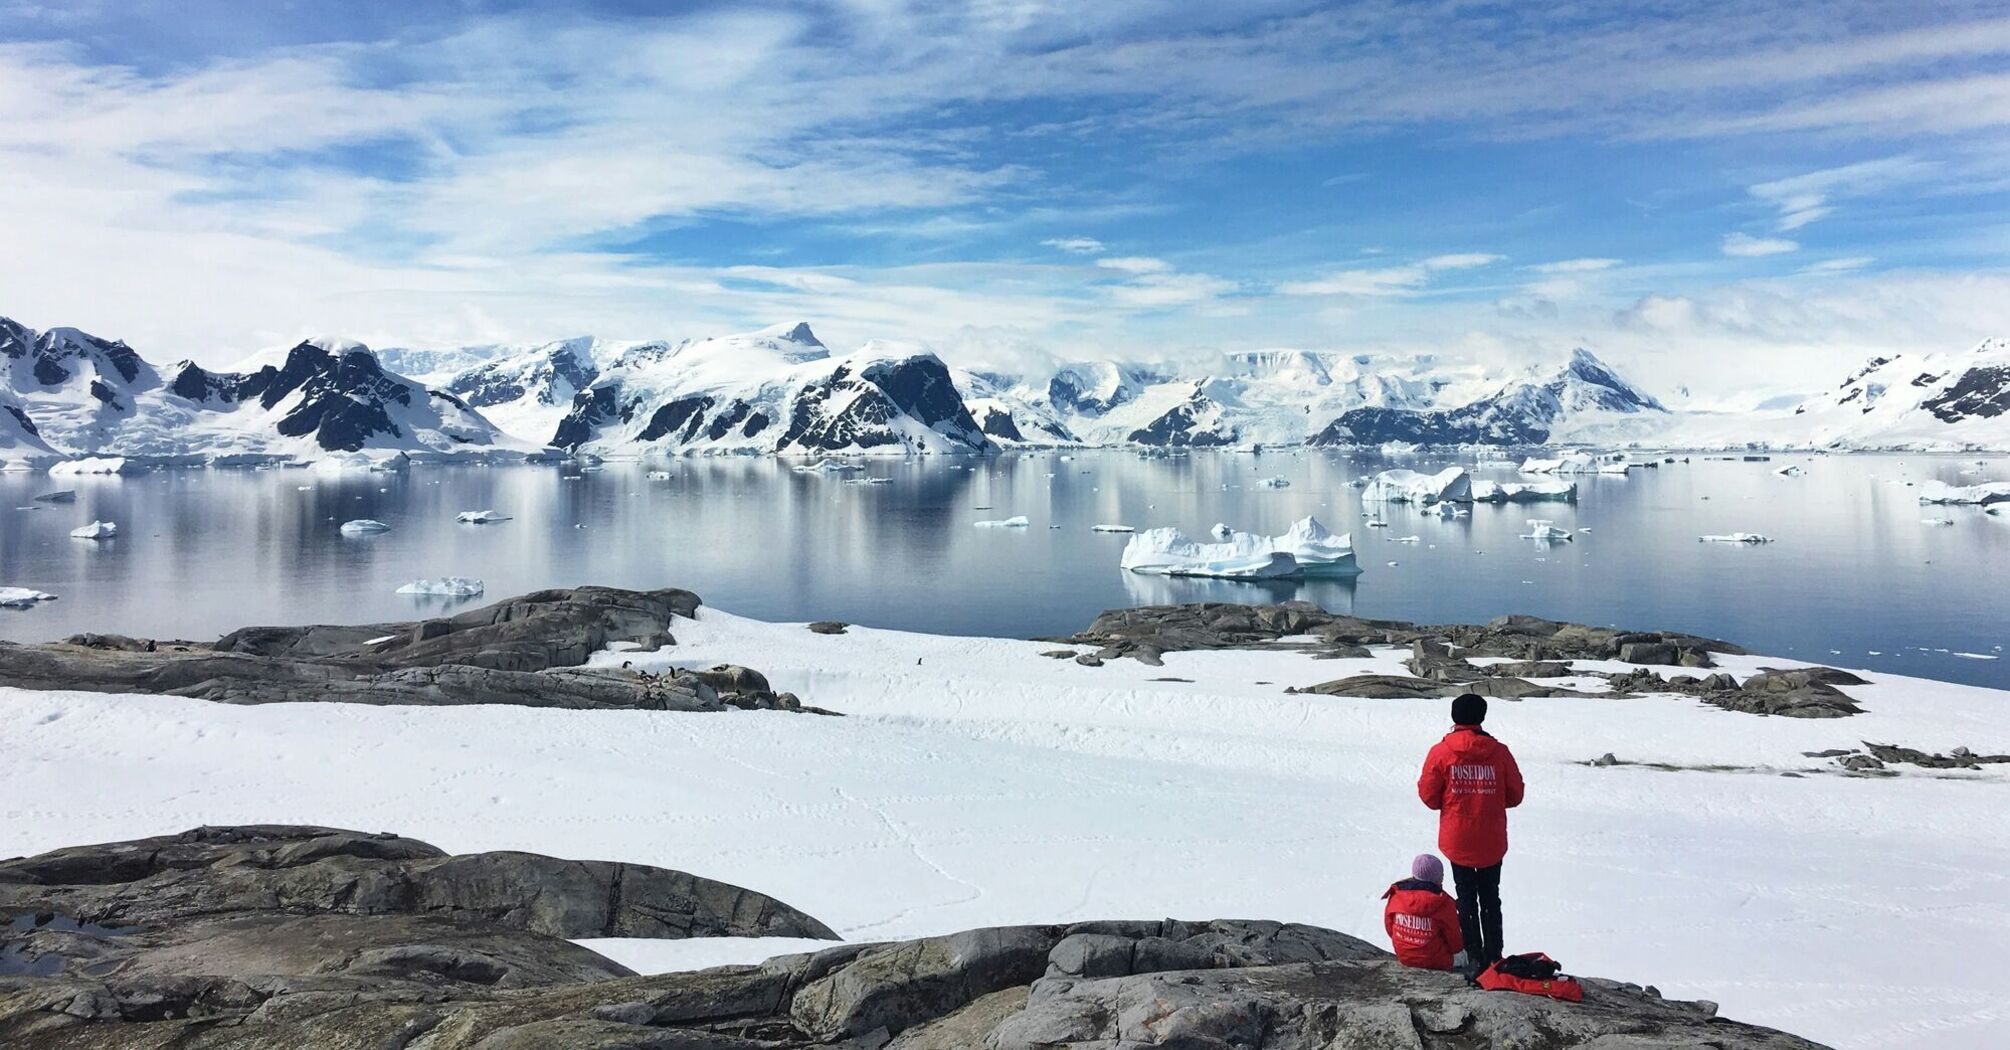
(1589, 265)
(1746, 246)
(1386, 280)
(1842, 265)
(1801, 199)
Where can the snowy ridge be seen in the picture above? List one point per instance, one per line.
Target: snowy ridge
(84, 396)
(776, 390)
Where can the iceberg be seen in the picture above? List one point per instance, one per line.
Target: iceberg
(1524, 492)
(1577, 463)
(1545, 531)
(1315, 550)
(445, 586)
(94, 465)
(363, 527)
(58, 496)
(97, 530)
(480, 517)
(1450, 485)
(1018, 522)
(1968, 495)
(1735, 537)
(22, 597)
(1168, 552)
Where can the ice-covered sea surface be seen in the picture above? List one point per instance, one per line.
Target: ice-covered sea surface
(1852, 567)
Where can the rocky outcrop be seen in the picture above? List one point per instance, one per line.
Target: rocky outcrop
(528, 651)
(1092, 986)
(1534, 648)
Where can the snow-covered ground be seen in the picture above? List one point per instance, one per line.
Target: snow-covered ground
(977, 782)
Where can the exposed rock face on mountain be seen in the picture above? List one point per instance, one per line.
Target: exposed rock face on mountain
(86, 396)
(528, 651)
(1935, 401)
(383, 942)
(1529, 412)
(776, 390)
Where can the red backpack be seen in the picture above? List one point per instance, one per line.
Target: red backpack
(1531, 973)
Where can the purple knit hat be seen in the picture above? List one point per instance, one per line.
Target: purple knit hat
(1428, 868)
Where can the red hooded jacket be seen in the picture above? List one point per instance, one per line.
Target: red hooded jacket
(1423, 924)
(1472, 781)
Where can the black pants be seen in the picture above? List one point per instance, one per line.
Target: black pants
(1479, 911)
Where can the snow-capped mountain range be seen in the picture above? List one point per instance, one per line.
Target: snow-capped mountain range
(66, 393)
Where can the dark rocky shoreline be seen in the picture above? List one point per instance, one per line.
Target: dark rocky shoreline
(282, 938)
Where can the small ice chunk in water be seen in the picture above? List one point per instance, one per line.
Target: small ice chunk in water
(363, 527)
(22, 597)
(97, 530)
(1016, 522)
(448, 586)
(1546, 531)
(480, 517)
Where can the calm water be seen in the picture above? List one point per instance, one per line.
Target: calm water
(1854, 569)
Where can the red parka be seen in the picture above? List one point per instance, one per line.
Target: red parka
(1472, 781)
(1423, 924)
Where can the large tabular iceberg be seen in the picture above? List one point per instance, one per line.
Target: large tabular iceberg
(1524, 492)
(1305, 549)
(1980, 495)
(1577, 463)
(1450, 485)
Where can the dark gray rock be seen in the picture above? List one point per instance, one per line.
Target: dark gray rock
(1114, 985)
(525, 651)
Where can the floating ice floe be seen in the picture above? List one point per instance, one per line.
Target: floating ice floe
(1107, 527)
(1524, 491)
(97, 530)
(1450, 485)
(1275, 483)
(829, 466)
(480, 517)
(23, 598)
(1736, 537)
(58, 496)
(94, 465)
(446, 586)
(363, 526)
(1974, 495)
(1546, 531)
(1018, 522)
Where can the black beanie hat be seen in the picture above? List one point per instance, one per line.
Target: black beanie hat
(1469, 709)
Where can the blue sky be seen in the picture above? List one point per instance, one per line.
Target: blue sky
(1726, 195)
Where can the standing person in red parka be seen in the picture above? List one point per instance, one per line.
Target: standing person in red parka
(1472, 781)
(1422, 921)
